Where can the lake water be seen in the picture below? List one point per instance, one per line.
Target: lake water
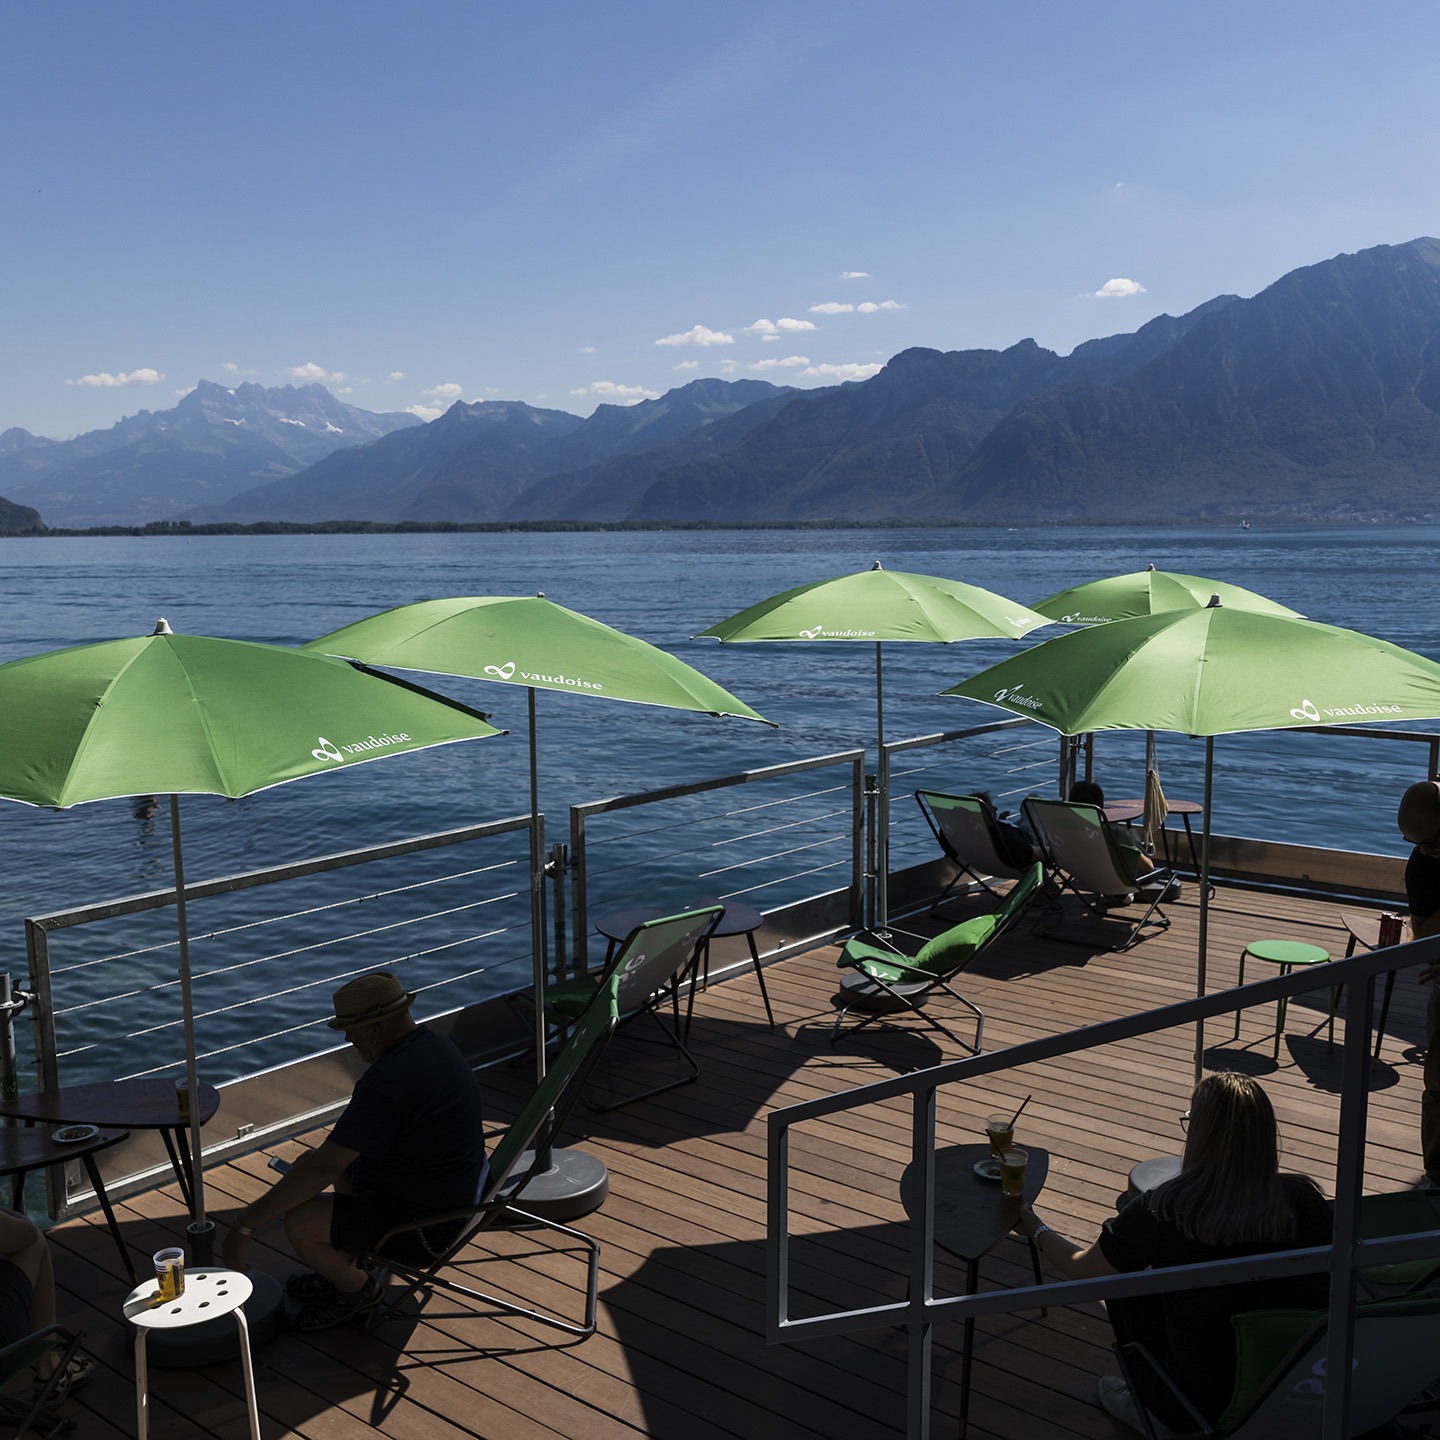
(665, 587)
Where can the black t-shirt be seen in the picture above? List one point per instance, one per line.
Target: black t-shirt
(1422, 883)
(1198, 1346)
(415, 1119)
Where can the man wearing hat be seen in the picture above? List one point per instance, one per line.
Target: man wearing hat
(410, 1143)
(1419, 821)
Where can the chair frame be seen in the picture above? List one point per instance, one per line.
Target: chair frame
(532, 1133)
(1055, 852)
(15, 1359)
(914, 993)
(977, 867)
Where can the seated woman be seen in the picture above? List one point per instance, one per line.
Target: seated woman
(1229, 1199)
(1139, 867)
(27, 1297)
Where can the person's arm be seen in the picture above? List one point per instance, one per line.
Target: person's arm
(312, 1173)
(1072, 1260)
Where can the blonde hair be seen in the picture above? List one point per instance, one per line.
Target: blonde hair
(1228, 1191)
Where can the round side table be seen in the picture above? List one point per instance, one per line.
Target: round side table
(209, 1294)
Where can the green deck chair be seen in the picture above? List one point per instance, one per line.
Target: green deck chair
(966, 829)
(520, 1152)
(887, 982)
(1401, 1212)
(1279, 1389)
(27, 1409)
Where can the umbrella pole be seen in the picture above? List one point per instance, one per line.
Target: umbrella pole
(201, 1231)
(1204, 906)
(882, 776)
(537, 900)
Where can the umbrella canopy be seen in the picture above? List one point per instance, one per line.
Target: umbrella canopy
(529, 641)
(1214, 671)
(875, 606)
(1147, 592)
(1210, 672)
(186, 714)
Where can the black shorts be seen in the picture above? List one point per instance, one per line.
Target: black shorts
(16, 1294)
(357, 1223)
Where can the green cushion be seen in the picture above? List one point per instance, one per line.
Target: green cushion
(1263, 1338)
(946, 953)
(570, 997)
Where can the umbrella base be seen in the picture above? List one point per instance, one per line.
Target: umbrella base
(575, 1184)
(192, 1346)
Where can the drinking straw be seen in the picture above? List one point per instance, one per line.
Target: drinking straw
(1016, 1115)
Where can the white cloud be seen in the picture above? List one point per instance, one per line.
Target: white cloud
(854, 274)
(311, 371)
(698, 335)
(182, 393)
(106, 381)
(425, 412)
(773, 329)
(231, 368)
(831, 307)
(446, 392)
(587, 349)
(621, 394)
(842, 372)
(1112, 289)
(395, 375)
(869, 307)
(790, 362)
(688, 365)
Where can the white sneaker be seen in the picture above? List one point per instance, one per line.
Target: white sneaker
(1114, 1397)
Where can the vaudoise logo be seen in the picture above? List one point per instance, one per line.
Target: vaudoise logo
(1310, 713)
(338, 754)
(821, 633)
(1014, 695)
(510, 671)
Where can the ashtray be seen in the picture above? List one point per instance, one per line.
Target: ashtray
(74, 1134)
(988, 1168)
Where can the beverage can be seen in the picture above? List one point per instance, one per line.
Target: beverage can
(1391, 930)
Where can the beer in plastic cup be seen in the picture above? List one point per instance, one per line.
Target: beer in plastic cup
(170, 1272)
(1000, 1130)
(1012, 1172)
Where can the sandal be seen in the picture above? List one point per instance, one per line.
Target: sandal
(78, 1371)
(337, 1310)
(308, 1287)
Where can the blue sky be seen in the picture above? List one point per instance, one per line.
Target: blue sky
(571, 203)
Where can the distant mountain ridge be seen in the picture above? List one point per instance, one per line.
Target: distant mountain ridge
(215, 442)
(1318, 398)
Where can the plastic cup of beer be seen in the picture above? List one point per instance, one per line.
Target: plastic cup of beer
(170, 1272)
(1000, 1131)
(1013, 1165)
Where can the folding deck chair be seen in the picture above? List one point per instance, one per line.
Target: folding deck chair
(26, 1409)
(1279, 1389)
(967, 830)
(887, 982)
(1085, 859)
(527, 1143)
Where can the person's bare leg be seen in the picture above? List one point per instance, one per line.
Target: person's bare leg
(307, 1227)
(33, 1259)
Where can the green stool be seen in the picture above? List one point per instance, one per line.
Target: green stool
(1287, 954)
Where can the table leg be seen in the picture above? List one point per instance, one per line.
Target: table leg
(98, 1185)
(178, 1148)
(972, 1286)
(760, 976)
(142, 1387)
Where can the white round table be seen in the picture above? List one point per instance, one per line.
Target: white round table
(209, 1293)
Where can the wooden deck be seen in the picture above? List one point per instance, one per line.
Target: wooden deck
(680, 1351)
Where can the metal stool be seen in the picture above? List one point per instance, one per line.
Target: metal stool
(1287, 954)
(209, 1294)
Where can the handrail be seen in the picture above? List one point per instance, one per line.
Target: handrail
(1343, 1257)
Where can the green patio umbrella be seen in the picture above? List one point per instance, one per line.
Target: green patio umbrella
(531, 641)
(872, 607)
(1148, 592)
(186, 714)
(1209, 672)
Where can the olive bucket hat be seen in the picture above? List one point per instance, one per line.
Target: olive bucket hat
(368, 998)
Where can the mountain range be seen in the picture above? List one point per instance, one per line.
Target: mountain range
(1318, 398)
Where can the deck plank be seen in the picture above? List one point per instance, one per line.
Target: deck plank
(680, 1349)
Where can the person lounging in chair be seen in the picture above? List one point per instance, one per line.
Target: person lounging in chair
(1141, 867)
(409, 1143)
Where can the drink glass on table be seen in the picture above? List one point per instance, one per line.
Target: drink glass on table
(1000, 1130)
(170, 1272)
(1013, 1165)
